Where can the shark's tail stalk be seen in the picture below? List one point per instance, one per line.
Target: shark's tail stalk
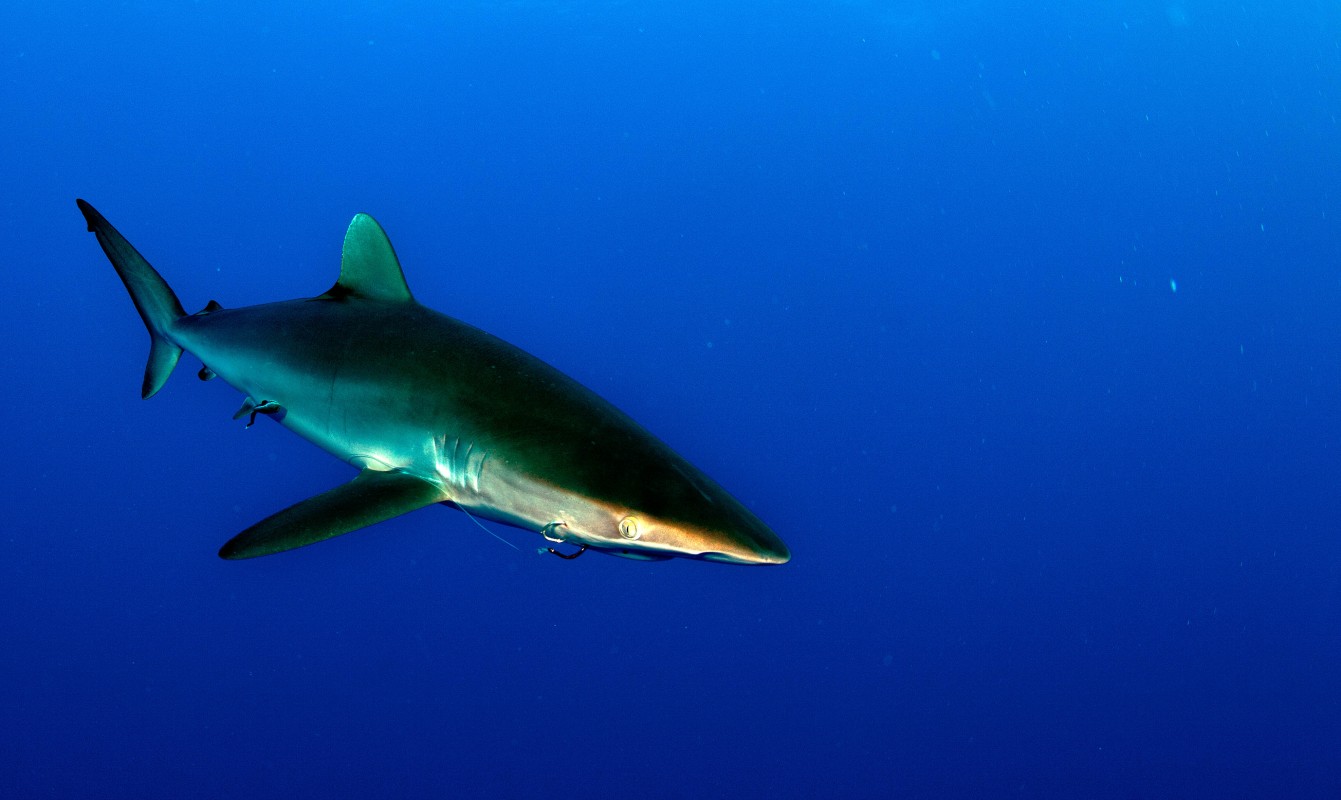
(153, 298)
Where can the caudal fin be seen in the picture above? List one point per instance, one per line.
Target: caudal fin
(153, 298)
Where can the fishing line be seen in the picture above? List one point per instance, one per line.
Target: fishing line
(486, 530)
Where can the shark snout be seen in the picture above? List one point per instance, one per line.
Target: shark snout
(781, 556)
(754, 543)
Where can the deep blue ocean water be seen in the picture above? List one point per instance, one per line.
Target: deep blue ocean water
(1019, 322)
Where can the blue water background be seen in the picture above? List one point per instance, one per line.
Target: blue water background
(1020, 322)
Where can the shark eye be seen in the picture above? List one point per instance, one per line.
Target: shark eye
(628, 528)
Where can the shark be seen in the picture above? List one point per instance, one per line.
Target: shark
(431, 410)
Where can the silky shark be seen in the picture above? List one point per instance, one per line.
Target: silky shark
(431, 410)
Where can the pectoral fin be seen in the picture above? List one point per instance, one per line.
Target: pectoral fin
(370, 498)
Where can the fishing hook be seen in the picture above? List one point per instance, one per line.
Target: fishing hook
(569, 556)
(548, 533)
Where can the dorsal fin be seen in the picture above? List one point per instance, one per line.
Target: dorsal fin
(368, 265)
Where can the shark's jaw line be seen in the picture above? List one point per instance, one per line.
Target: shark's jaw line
(432, 410)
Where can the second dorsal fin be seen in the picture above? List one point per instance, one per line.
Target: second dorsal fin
(368, 265)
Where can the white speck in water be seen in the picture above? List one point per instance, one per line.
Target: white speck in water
(1173, 285)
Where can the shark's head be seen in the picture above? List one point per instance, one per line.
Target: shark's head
(684, 515)
(642, 505)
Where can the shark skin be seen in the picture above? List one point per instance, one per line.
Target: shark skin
(432, 410)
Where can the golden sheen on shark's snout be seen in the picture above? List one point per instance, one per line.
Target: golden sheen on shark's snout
(432, 410)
